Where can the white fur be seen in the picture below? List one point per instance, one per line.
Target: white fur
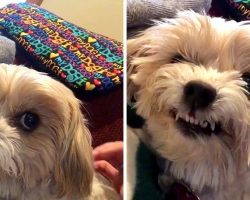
(54, 161)
(131, 162)
(218, 53)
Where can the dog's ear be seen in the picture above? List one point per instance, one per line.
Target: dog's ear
(135, 51)
(74, 168)
(142, 62)
(142, 52)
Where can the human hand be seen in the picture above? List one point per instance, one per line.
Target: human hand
(108, 160)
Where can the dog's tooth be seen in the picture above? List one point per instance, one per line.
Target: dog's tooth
(204, 124)
(187, 118)
(191, 120)
(212, 124)
(196, 121)
(177, 116)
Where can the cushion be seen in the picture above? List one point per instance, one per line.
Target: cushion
(83, 60)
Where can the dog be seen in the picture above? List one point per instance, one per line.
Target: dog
(190, 81)
(46, 151)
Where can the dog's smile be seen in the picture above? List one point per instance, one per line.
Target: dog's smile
(192, 126)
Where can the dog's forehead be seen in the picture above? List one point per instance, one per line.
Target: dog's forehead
(22, 88)
(213, 41)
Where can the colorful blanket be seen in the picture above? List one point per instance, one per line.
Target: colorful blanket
(83, 60)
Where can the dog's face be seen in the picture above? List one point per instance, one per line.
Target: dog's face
(43, 136)
(190, 77)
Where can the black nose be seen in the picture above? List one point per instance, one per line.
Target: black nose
(198, 95)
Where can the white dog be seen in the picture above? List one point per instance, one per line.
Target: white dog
(190, 78)
(46, 151)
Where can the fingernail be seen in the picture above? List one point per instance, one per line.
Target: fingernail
(95, 166)
(94, 153)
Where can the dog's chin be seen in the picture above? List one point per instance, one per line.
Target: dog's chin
(189, 125)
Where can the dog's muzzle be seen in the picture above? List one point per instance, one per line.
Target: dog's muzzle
(198, 95)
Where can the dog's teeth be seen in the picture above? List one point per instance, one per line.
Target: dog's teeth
(196, 121)
(191, 120)
(212, 124)
(204, 124)
(177, 116)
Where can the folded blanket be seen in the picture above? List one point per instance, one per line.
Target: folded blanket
(239, 10)
(85, 61)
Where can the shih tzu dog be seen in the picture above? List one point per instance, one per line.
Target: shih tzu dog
(190, 79)
(46, 151)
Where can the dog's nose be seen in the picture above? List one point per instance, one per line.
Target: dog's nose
(198, 94)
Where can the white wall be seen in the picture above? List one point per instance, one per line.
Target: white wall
(100, 16)
(5, 2)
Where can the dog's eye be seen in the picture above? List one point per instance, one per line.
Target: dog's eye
(177, 58)
(29, 121)
(246, 78)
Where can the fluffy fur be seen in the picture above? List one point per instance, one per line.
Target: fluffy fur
(54, 161)
(216, 52)
(131, 162)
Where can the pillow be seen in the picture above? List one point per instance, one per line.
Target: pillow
(81, 59)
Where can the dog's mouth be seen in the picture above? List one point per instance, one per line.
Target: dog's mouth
(193, 126)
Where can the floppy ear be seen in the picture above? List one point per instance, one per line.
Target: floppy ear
(141, 52)
(141, 65)
(144, 58)
(74, 168)
(135, 50)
